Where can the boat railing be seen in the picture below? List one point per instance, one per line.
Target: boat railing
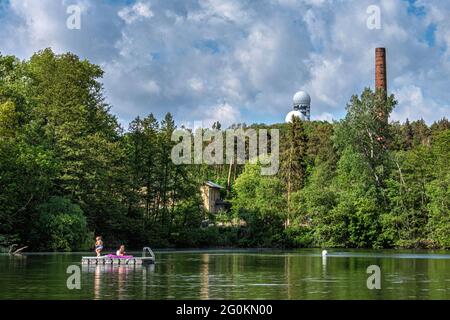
(149, 251)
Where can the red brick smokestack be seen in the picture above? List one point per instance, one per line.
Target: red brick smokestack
(380, 69)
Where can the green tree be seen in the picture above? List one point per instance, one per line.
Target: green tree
(438, 190)
(259, 201)
(70, 112)
(61, 225)
(405, 222)
(316, 201)
(362, 139)
(294, 162)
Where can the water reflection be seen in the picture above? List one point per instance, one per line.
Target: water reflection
(97, 282)
(116, 277)
(204, 287)
(105, 268)
(324, 263)
(216, 274)
(17, 260)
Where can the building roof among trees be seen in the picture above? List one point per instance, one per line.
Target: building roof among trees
(213, 185)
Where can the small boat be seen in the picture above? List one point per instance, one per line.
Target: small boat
(111, 259)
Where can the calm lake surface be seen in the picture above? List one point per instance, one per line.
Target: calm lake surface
(234, 274)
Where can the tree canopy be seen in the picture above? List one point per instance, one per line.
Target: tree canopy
(68, 171)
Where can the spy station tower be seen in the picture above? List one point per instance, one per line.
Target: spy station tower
(301, 107)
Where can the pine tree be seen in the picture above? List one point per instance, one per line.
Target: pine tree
(408, 135)
(294, 161)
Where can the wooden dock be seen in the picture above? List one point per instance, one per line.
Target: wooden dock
(116, 261)
(121, 261)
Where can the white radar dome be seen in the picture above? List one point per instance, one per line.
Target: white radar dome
(292, 114)
(302, 98)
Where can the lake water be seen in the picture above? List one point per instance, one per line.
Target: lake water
(234, 274)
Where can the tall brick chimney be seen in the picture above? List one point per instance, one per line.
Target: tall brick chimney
(380, 69)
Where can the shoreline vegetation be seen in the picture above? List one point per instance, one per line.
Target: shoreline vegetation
(70, 172)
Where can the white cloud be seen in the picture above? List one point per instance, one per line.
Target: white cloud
(153, 87)
(196, 84)
(220, 11)
(135, 12)
(326, 83)
(224, 113)
(183, 57)
(414, 106)
(29, 26)
(324, 116)
(39, 26)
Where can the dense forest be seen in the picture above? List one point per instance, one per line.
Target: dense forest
(69, 171)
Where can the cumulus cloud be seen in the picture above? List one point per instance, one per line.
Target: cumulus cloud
(135, 12)
(205, 117)
(224, 113)
(324, 116)
(414, 106)
(153, 87)
(29, 26)
(184, 57)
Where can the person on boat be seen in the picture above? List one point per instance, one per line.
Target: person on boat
(98, 246)
(121, 251)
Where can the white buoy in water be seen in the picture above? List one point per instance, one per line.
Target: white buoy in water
(324, 253)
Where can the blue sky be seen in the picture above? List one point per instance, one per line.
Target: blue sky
(242, 60)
